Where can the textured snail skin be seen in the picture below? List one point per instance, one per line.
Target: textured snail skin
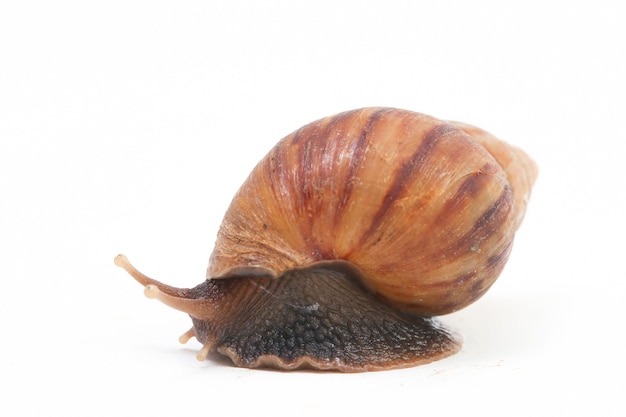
(314, 319)
(349, 235)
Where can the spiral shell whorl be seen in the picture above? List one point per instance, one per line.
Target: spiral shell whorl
(419, 207)
(521, 170)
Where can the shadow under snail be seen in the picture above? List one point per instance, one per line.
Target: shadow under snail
(349, 236)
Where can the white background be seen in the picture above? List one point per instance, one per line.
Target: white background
(127, 126)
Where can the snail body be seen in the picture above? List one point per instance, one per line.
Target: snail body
(349, 236)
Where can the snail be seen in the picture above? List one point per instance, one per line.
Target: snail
(349, 237)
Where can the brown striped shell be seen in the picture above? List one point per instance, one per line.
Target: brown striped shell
(424, 210)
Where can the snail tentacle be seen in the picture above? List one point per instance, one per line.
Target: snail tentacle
(186, 300)
(207, 347)
(185, 337)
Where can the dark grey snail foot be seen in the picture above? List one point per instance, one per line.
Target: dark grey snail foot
(324, 320)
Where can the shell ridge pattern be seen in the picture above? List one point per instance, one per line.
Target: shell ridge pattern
(409, 169)
(409, 200)
(355, 155)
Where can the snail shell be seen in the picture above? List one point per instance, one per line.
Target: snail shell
(388, 215)
(423, 210)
